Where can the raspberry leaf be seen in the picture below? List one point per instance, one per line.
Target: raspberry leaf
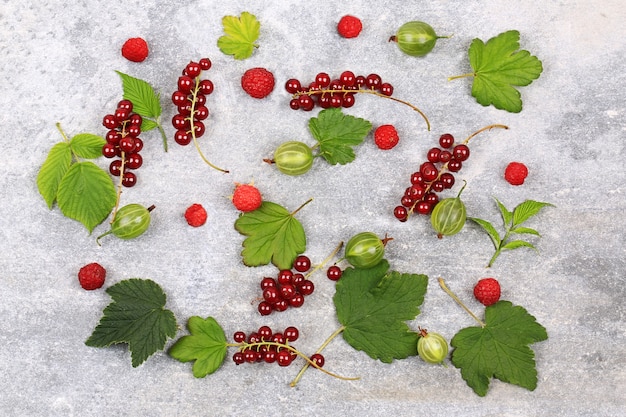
(145, 100)
(274, 235)
(499, 349)
(240, 36)
(53, 170)
(499, 66)
(86, 193)
(337, 133)
(373, 304)
(526, 210)
(87, 145)
(207, 346)
(136, 316)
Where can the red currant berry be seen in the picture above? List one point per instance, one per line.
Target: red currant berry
(294, 103)
(455, 166)
(206, 87)
(386, 89)
(182, 137)
(284, 358)
(205, 64)
(424, 207)
(417, 179)
(401, 213)
(251, 355)
(348, 100)
(347, 79)
(238, 358)
(322, 79)
(433, 155)
(239, 336)
(179, 98)
(254, 338)
(201, 113)
(291, 334)
(127, 144)
(135, 119)
(373, 81)
(180, 122)
(134, 161)
(115, 167)
(407, 201)
(333, 273)
(133, 130)
(445, 156)
(324, 101)
(297, 279)
(437, 186)
(287, 292)
(359, 81)
(121, 114)
(265, 332)
(306, 103)
(269, 356)
(446, 140)
(461, 152)
(447, 179)
(109, 150)
(193, 69)
(281, 305)
(284, 277)
(279, 338)
(431, 198)
(318, 360)
(302, 263)
(267, 282)
(125, 104)
(113, 136)
(335, 100)
(271, 295)
(297, 300)
(293, 86)
(185, 83)
(110, 121)
(198, 128)
(129, 179)
(429, 171)
(138, 145)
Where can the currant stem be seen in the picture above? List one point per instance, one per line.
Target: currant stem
(443, 286)
(325, 261)
(319, 350)
(493, 126)
(119, 186)
(363, 90)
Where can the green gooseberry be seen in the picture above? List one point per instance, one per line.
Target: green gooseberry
(416, 38)
(364, 250)
(449, 215)
(432, 347)
(293, 158)
(131, 221)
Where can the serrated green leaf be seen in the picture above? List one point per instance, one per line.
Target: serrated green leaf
(207, 346)
(514, 244)
(53, 170)
(86, 194)
(507, 216)
(87, 145)
(146, 101)
(498, 66)
(147, 125)
(337, 133)
(525, 230)
(500, 349)
(241, 33)
(373, 306)
(136, 316)
(488, 227)
(274, 235)
(526, 210)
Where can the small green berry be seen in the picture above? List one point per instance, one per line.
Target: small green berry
(432, 347)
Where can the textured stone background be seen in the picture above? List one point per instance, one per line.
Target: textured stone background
(57, 62)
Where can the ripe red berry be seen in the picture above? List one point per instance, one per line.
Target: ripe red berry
(386, 137)
(195, 215)
(135, 49)
(515, 173)
(257, 82)
(247, 198)
(487, 291)
(349, 26)
(91, 276)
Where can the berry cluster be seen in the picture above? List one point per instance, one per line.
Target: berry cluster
(123, 142)
(266, 346)
(288, 289)
(190, 99)
(327, 92)
(434, 176)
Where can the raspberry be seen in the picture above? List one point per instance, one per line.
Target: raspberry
(135, 49)
(386, 137)
(195, 215)
(487, 291)
(247, 197)
(349, 26)
(91, 276)
(258, 82)
(515, 173)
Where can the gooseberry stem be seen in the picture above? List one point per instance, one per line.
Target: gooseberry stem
(363, 90)
(444, 287)
(319, 350)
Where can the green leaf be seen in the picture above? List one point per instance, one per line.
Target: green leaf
(206, 345)
(373, 305)
(514, 244)
(87, 145)
(53, 170)
(86, 194)
(337, 133)
(240, 36)
(525, 230)
(507, 216)
(526, 210)
(147, 125)
(136, 316)
(274, 235)
(488, 227)
(145, 100)
(498, 66)
(500, 349)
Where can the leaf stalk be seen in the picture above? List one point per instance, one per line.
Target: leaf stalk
(444, 287)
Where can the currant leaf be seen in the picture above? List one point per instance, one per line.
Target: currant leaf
(374, 304)
(207, 346)
(53, 170)
(87, 145)
(136, 316)
(274, 235)
(241, 33)
(337, 133)
(499, 349)
(87, 194)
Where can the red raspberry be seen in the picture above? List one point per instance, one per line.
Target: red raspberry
(515, 173)
(349, 26)
(135, 49)
(91, 276)
(487, 291)
(386, 137)
(258, 82)
(247, 197)
(195, 215)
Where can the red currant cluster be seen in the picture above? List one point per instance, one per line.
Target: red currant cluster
(434, 176)
(123, 142)
(190, 99)
(288, 289)
(266, 346)
(327, 92)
